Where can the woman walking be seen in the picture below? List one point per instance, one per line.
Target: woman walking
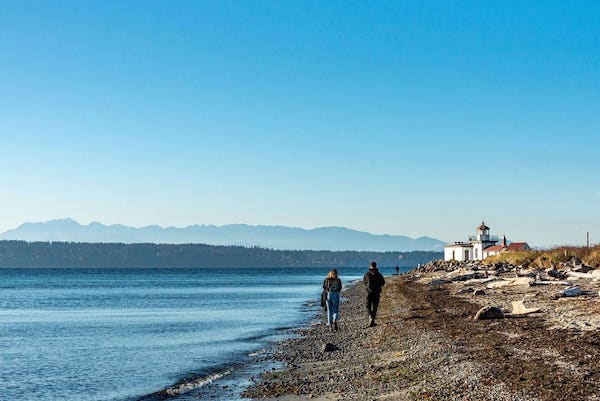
(333, 286)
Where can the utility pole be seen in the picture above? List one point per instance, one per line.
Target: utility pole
(587, 252)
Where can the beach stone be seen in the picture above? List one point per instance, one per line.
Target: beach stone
(328, 347)
(467, 276)
(555, 274)
(489, 312)
(479, 292)
(573, 291)
(465, 290)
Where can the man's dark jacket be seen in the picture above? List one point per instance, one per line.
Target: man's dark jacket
(373, 281)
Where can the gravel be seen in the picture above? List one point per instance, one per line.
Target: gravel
(427, 346)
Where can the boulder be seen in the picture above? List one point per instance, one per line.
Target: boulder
(479, 292)
(328, 347)
(465, 290)
(572, 291)
(556, 274)
(489, 312)
(466, 276)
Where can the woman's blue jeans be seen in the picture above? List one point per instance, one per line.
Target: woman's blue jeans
(333, 305)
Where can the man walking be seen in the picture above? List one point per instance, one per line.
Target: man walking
(373, 281)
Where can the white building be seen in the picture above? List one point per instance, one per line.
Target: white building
(458, 251)
(472, 250)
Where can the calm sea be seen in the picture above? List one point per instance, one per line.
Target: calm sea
(121, 334)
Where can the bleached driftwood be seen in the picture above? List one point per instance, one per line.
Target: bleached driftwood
(518, 308)
(481, 280)
(577, 275)
(550, 282)
(511, 282)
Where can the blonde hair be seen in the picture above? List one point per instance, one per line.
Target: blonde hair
(332, 274)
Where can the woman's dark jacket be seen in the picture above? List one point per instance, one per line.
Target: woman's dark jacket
(332, 284)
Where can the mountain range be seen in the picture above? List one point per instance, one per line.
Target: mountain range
(273, 237)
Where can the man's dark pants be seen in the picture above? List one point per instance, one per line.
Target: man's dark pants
(372, 304)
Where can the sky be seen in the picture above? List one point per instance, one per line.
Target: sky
(403, 117)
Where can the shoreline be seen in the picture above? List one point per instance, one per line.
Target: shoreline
(427, 346)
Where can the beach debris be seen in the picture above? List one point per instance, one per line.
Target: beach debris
(561, 275)
(489, 312)
(479, 292)
(550, 282)
(519, 308)
(481, 280)
(328, 347)
(520, 272)
(510, 282)
(464, 275)
(576, 275)
(572, 291)
(582, 268)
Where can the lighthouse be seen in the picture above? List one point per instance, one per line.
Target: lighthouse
(472, 250)
(482, 240)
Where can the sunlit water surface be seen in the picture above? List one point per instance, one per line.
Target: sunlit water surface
(120, 334)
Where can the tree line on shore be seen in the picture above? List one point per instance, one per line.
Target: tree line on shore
(22, 254)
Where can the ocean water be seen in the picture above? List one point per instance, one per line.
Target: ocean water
(125, 334)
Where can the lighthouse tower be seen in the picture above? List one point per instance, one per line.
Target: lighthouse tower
(482, 240)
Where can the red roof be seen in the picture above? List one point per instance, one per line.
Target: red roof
(518, 246)
(494, 248)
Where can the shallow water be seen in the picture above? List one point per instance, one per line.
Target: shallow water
(120, 334)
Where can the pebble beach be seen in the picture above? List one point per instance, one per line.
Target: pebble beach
(428, 346)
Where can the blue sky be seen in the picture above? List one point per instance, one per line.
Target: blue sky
(412, 118)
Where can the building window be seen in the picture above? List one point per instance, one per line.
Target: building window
(466, 254)
(453, 255)
(476, 253)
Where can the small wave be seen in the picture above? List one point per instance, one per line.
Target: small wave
(267, 334)
(185, 386)
(257, 353)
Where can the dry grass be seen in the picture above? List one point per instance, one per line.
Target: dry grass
(524, 258)
(547, 258)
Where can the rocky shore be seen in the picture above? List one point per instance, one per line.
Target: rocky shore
(544, 343)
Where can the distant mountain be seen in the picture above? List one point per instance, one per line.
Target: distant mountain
(275, 237)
